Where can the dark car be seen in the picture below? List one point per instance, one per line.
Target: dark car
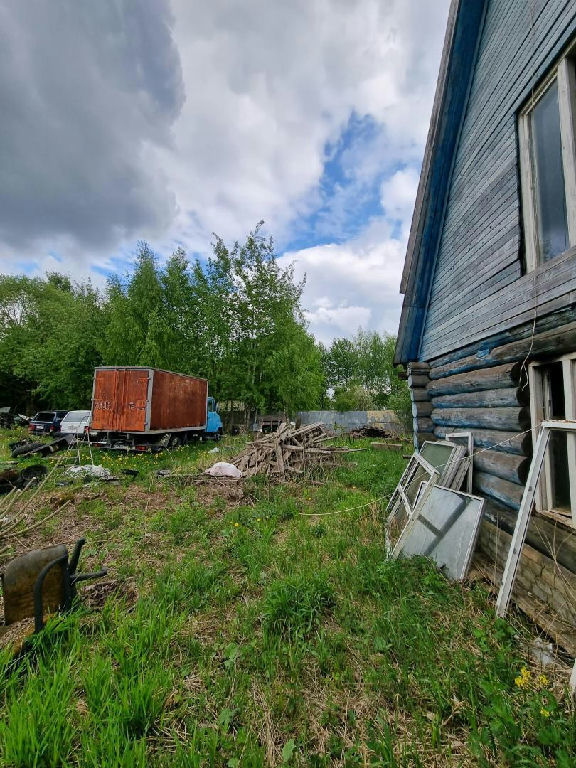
(46, 422)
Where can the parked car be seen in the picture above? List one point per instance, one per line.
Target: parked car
(75, 423)
(46, 422)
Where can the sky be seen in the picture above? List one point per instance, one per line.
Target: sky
(170, 120)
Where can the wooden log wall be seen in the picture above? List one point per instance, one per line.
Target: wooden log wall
(544, 589)
(490, 400)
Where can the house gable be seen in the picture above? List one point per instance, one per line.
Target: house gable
(463, 276)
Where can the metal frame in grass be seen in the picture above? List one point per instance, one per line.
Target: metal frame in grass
(451, 473)
(523, 519)
(466, 466)
(449, 521)
(408, 493)
(519, 536)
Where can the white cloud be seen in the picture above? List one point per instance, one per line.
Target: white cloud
(353, 284)
(170, 119)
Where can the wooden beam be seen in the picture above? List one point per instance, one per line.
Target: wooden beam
(497, 377)
(488, 398)
(501, 419)
(503, 465)
(505, 492)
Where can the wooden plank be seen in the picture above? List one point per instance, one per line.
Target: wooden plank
(554, 278)
(552, 286)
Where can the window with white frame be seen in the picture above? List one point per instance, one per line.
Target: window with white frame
(547, 131)
(553, 396)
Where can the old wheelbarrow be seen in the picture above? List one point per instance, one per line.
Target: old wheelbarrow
(38, 583)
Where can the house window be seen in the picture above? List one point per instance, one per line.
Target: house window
(553, 396)
(547, 131)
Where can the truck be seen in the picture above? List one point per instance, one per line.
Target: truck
(136, 408)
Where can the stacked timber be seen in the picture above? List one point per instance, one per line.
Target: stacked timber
(492, 403)
(288, 452)
(422, 425)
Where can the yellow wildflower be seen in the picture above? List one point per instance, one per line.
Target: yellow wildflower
(523, 678)
(541, 681)
(544, 712)
(236, 525)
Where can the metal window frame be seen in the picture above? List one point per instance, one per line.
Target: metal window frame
(525, 510)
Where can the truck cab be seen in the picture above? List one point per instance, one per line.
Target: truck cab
(213, 420)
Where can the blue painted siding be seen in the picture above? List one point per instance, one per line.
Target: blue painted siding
(480, 247)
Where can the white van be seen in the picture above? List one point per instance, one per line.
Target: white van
(75, 423)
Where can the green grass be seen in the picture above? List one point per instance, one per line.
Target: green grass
(269, 630)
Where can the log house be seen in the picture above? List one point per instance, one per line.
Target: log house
(488, 327)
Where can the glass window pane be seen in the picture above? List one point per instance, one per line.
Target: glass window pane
(550, 193)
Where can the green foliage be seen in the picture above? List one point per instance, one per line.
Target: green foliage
(235, 320)
(49, 338)
(294, 606)
(271, 629)
(362, 373)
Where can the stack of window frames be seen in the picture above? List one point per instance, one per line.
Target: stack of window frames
(426, 514)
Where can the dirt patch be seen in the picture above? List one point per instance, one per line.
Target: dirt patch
(210, 493)
(95, 595)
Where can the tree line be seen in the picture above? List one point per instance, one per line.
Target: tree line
(235, 319)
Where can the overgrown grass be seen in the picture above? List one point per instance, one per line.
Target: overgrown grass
(270, 630)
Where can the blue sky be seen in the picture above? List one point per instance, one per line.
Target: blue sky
(172, 119)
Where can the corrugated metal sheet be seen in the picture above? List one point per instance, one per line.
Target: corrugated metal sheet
(131, 399)
(178, 401)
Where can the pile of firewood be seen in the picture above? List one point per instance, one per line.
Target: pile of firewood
(288, 451)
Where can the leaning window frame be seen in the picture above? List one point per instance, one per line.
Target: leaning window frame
(544, 491)
(565, 73)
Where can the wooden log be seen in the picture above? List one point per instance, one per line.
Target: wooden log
(556, 341)
(506, 442)
(501, 419)
(504, 465)
(489, 398)
(419, 395)
(497, 377)
(477, 355)
(420, 409)
(423, 424)
(417, 367)
(504, 491)
(417, 380)
(426, 437)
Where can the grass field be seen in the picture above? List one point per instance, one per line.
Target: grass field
(262, 625)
